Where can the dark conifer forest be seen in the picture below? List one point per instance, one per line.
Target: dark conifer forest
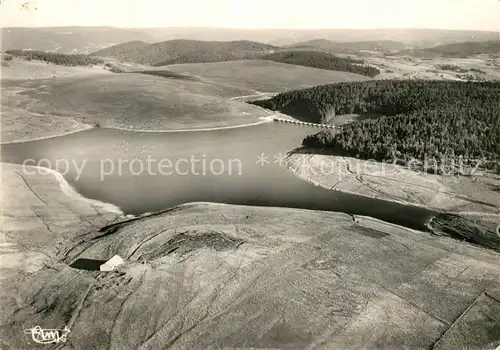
(419, 120)
(322, 60)
(57, 58)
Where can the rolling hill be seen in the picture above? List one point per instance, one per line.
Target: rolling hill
(206, 276)
(186, 51)
(68, 39)
(191, 51)
(135, 101)
(88, 39)
(42, 100)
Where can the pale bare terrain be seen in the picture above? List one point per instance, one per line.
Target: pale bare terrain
(470, 195)
(265, 76)
(216, 276)
(406, 67)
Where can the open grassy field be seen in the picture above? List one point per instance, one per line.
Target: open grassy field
(264, 76)
(464, 49)
(19, 68)
(19, 123)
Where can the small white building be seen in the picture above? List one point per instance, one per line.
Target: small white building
(112, 263)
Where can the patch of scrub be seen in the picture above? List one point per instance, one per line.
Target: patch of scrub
(187, 242)
(458, 227)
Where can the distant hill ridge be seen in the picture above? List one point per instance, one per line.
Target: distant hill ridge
(466, 48)
(76, 39)
(68, 39)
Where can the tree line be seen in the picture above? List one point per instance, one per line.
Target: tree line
(57, 58)
(420, 120)
(322, 60)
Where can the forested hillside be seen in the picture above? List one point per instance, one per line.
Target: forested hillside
(422, 119)
(186, 51)
(57, 58)
(321, 60)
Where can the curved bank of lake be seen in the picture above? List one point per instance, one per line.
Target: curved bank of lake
(149, 171)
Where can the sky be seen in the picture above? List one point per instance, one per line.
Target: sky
(363, 14)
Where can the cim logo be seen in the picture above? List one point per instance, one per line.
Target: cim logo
(47, 336)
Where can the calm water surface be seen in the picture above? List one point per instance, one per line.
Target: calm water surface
(225, 170)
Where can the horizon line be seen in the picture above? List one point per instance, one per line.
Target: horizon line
(254, 29)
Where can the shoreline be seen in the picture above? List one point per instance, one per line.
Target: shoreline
(473, 200)
(319, 184)
(311, 169)
(69, 190)
(263, 120)
(51, 136)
